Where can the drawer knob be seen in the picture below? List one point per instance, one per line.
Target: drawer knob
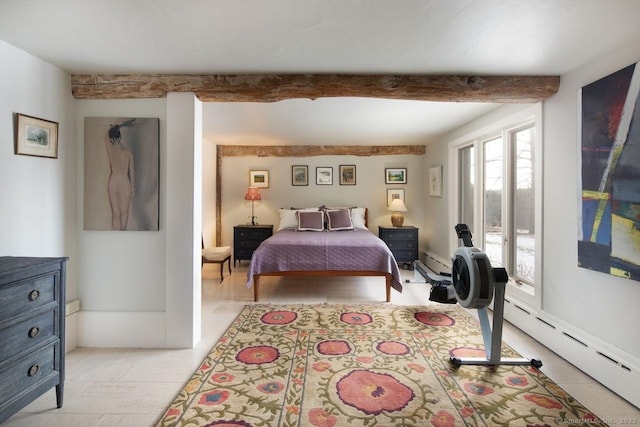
(33, 332)
(34, 370)
(34, 295)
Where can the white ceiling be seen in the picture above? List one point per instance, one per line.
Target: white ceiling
(519, 37)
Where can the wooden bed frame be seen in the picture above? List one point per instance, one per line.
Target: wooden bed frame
(327, 273)
(323, 273)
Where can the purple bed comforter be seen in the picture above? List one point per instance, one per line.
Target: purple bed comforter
(289, 250)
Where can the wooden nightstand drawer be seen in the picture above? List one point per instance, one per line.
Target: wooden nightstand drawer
(258, 234)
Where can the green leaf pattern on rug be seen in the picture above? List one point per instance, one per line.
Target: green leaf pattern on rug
(363, 365)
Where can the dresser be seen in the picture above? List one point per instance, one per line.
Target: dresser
(246, 239)
(32, 310)
(402, 241)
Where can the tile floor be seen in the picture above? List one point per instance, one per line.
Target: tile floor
(132, 387)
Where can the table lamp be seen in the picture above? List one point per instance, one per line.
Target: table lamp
(397, 205)
(252, 194)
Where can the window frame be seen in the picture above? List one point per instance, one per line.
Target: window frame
(504, 127)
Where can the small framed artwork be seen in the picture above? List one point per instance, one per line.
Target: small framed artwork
(324, 176)
(299, 175)
(395, 175)
(259, 179)
(435, 181)
(347, 174)
(393, 194)
(36, 137)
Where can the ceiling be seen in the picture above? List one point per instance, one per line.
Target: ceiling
(503, 37)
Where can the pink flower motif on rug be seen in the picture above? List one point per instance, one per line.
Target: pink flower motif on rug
(321, 418)
(257, 355)
(518, 381)
(443, 419)
(279, 317)
(543, 401)
(373, 393)
(272, 387)
(334, 348)
(355, 318)
(214, 397)
(222, 377)
(225, 423)
(393, 348)
(434, 319)
(467, 352)
(477, 389)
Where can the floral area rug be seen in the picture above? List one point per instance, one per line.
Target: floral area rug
(363, 365)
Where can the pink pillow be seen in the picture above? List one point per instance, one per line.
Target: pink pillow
(339, 219)
(310, 221)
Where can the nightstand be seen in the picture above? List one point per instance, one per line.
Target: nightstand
(403, 242)
(247, 238)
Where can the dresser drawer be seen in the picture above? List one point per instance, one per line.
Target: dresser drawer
(258, 234)
(27, 334)
(248, 244)
(24, 296)
(29, 372)
(399, 234)
(402, 244)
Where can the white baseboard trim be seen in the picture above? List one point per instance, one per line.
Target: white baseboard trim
(121, 329)
(612, 367)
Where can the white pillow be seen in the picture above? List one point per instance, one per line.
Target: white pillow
(289, 220)
(357, 218)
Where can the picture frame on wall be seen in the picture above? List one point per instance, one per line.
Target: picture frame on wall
(435, 181)
(299, 175)
(394, 193)
(324, 175)
(36, 137)
(347, 174)
(395, 175)
(259, 179)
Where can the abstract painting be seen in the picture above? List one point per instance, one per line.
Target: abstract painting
(609, 236)
(121, 173)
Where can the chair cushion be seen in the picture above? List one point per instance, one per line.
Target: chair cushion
(216, 254)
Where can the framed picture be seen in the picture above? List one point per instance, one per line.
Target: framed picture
(299, 175)
(435, 181)
(259, 179)
(324, 176)
(393, 193)
(395, 175)
(36, 137)
(347, 174)
(121, 157)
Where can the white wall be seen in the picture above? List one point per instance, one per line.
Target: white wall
(602, 304)
(370, 190)
(597, 308)
(37, 212)
(142, 289)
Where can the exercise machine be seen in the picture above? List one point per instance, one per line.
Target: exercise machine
(474, 283)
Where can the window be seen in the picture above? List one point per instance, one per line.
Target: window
(503, 211)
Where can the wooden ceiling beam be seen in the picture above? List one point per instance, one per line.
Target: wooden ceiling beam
(319, 150)
(270, 88)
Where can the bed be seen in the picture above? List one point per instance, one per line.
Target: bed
(323, 242)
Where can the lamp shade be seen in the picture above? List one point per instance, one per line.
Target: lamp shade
(252, 194)
(397, 205)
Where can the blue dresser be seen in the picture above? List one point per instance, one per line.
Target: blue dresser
(32, 310)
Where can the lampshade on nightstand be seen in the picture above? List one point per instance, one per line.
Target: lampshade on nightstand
(252, 194)
(397, 206)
